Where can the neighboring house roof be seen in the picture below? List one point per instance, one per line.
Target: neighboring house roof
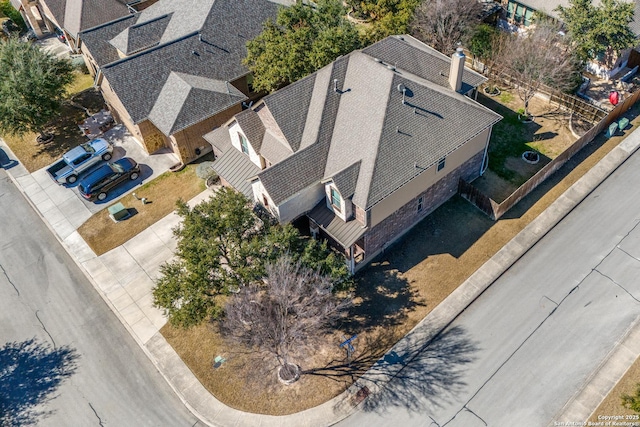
(366, 139)
(549, 7)
(182, 54)
(78, 15)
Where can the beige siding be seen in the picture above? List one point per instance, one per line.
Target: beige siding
(426, 179)
(190, 139)
(301, 203)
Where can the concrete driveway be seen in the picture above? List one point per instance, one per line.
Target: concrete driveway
(64, 208)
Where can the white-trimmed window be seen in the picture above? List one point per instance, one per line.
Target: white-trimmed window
(420, 203)
(244, 143)
(336, 200)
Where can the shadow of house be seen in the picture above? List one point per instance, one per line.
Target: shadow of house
(174, 71)
(31, 372)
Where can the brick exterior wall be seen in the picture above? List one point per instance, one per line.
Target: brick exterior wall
(360, 214)
(407, 216)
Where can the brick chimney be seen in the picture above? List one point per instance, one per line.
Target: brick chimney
(457, 67)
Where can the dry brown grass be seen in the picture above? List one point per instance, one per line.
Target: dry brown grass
(392, 295)
(102, 234)
(611, 405)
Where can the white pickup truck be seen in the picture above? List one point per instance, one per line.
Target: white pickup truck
(79, 159)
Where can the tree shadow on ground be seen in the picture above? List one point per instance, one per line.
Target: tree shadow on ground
(423, 373)
(411, 375)
(380, 298)
(30, 373)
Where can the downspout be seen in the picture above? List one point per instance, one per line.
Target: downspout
(483, 169)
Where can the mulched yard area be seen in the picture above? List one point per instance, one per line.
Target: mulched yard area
(392, 295)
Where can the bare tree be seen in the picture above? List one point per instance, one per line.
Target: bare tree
(542, 56)
(443, 24)
(291, 311)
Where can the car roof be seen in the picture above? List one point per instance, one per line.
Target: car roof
(90, 180)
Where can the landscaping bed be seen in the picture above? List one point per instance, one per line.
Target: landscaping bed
(391, 296)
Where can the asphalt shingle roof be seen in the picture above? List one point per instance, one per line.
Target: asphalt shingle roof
(78, 15)
(371, 140)
(409, 54)
(252, 127)
(203, 39)
(306, 166)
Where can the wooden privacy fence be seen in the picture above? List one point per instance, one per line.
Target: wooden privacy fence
(495, 210)
(577, 105)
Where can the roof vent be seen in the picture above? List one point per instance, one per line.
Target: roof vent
(195, 53)
(378, 60)
(391, 67)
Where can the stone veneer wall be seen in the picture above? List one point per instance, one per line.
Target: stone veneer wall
(394, 226)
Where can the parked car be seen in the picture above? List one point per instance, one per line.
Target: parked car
(97, 184)
(79, 159)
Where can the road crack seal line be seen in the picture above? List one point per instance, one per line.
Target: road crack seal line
(100, 422)
(616, 283)
(627, 253)
(8, 279)
(475, 415)
(575, 288)
(45, 329)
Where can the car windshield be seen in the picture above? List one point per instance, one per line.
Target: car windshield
(117, 168)
(88, 148)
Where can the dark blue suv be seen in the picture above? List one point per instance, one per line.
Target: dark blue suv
(98, 183)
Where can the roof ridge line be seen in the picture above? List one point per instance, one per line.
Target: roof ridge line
(97, 27)
(152, 49)
(157, 18)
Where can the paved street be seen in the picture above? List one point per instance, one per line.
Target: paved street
(80, 364)
(525, 347)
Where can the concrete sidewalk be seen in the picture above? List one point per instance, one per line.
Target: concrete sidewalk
(125, 276)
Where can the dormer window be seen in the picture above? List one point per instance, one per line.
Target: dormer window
(336, 200)
(244, 143)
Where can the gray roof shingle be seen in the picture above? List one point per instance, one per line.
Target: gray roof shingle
(204, 39)
(78, 15)
(307, 165)
(409, 54)
(290, 109)
(252, 127)
(370, 141)
(346, 180)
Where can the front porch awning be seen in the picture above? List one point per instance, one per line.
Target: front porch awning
(236, 168)
(345, 233)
